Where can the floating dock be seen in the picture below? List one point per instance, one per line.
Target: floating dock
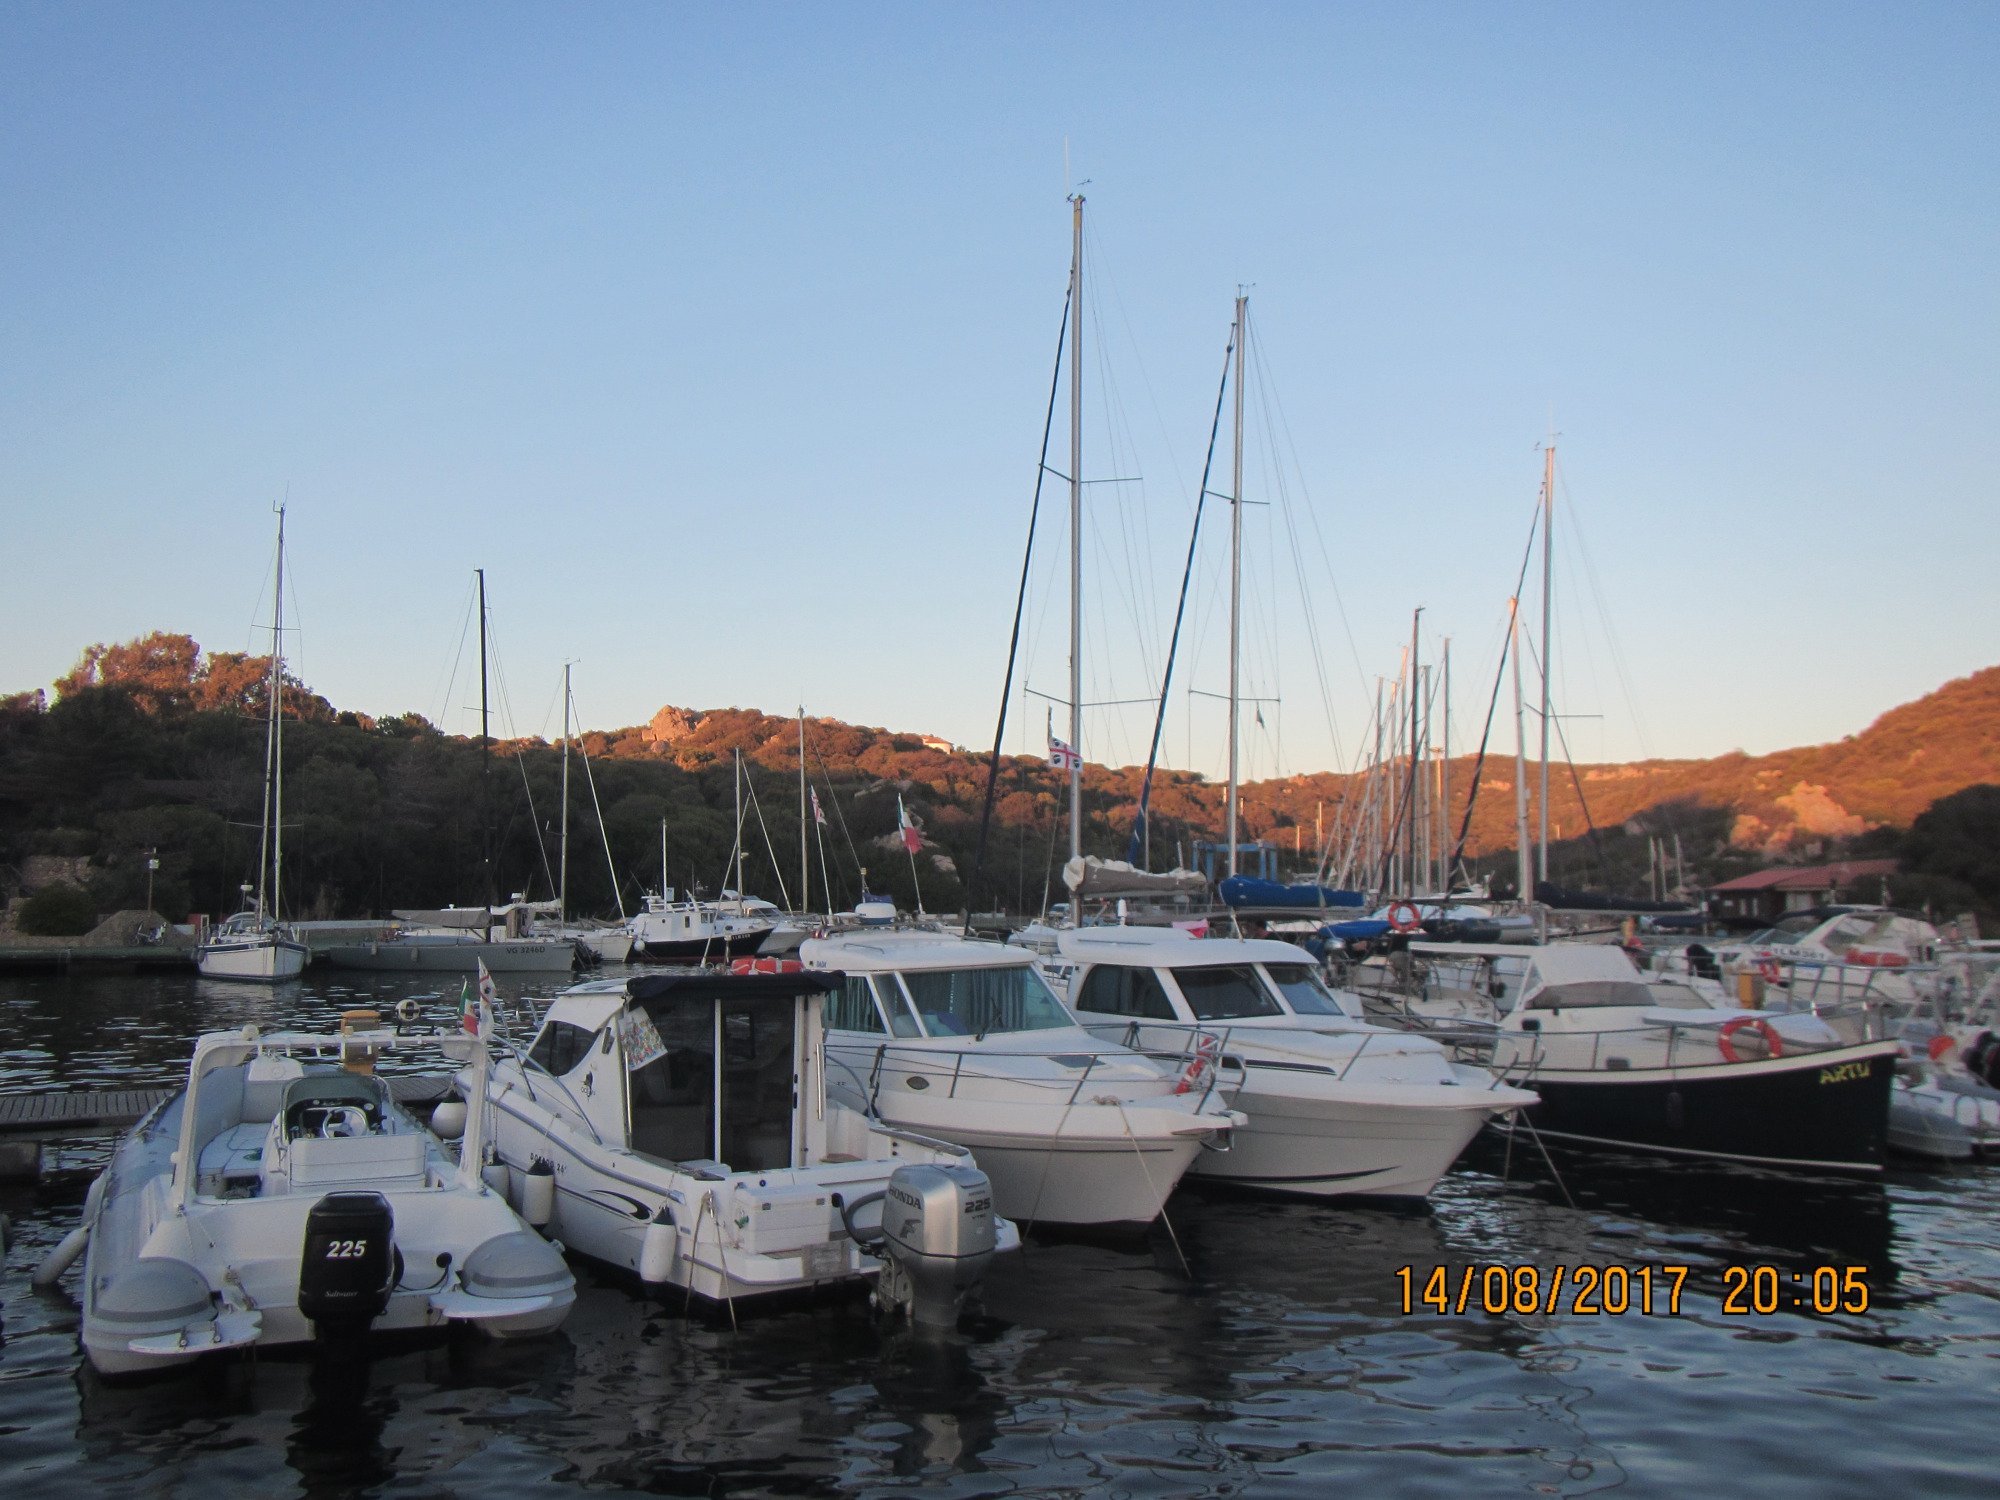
(27, 1120)
(151, 958)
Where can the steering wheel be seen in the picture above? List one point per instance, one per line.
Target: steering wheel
(340, 1121)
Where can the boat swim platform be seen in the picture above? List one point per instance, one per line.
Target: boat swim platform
(29, 1119)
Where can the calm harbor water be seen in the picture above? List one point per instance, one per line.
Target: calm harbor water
(1261, 1348)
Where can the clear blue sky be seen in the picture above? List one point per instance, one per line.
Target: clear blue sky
(720, 336)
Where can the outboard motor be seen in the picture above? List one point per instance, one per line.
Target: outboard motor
(937, 1236)
(349, 1265)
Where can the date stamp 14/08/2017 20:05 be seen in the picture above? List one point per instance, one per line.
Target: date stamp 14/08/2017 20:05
(1613, 1289)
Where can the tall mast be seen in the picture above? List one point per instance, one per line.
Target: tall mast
(805, 870)
(271, 846)
(1410, 796)
(485, 763)
(1076, 527)
(739, 825)
(1444, 777)
(1548, 646)
(1424, 798)
(562, 861)
(1520, 757)
(1236, 578)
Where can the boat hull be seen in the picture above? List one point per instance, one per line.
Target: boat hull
(1329, 1148)
(684, 950)
(265, 962)
(1824, 1111)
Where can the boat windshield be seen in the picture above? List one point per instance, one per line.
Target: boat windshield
(1785, 930)
(1226, 992)
(975, 1002)
(1585, 994)
(1303, 992)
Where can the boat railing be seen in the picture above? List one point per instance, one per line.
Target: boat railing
(1698, 1044)
(974, 1063)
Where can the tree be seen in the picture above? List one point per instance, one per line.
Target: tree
(160, 670)
(1958, 837)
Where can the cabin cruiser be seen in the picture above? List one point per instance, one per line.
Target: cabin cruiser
(1652, 1066)
(678, 931)
(285, 1196)
(1815, 957)
(1336, 1105)
(678, 1126)
(964, 1040)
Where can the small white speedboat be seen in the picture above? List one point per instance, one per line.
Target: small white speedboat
(284, 1196)
(1336, 1105)
(677, 1126)
(964, 1040)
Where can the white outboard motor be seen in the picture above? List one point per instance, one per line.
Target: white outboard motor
(937, 1236)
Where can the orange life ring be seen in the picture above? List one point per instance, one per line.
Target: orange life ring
(1400, 923)
(766, 966)
(1940, 1046)
(1200, 1063)
(1769, 971)
(1737, 1023)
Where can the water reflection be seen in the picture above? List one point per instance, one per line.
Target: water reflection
(1261, 1346)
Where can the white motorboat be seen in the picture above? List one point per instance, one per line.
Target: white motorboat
(253, 944)
(965, 1041)
(284, 1196)
(673, 930)
(1336, 1105)
(1651, 1066)
(683, 1122)
(1815, 958)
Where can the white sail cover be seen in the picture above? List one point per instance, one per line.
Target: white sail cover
(1092, 879)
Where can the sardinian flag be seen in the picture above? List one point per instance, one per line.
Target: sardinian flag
(818, 816)
(911, 838)
(1063, 757)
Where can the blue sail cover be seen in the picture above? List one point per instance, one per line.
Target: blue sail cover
(1244, 890)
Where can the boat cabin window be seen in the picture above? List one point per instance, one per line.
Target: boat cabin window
(1585, 994)
(1225, 993)
(1304, 993)
(1114, 990)
(689, 1105)
(560, 1047)
(852, 1007)
(975, 1002)
(1859, 930)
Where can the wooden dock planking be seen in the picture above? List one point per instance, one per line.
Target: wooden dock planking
(56, 1112)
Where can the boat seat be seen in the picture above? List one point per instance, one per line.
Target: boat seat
(264, 1082)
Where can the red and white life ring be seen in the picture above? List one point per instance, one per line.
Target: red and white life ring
(1200, 1063)
(1768, 970)
(1404, 917)
(1941, 1046)
(1737, 1023)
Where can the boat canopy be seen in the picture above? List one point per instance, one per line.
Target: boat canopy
(1247, 890)
(701, 989)
(1094, 879)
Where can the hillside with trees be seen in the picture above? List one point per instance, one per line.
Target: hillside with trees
(154, 744)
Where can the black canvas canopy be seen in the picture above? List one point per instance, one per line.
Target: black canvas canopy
(703, 988)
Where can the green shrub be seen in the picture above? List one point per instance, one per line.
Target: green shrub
(59, 910)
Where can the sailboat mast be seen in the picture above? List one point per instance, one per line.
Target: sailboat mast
(1410, 795)
(739, 825)
(1236, 581)
(1076, 528)
(485, 763)
(1548, 646)
(1520, 758)
(1444, 775)
(271, 846)
(805, 870)
(562, 859)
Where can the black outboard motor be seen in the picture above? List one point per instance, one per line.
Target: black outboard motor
(349, 1265)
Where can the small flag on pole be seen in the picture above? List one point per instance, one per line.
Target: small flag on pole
(489, 996)
(912, 840)
(468, 1011)
(818, 816)
(1063, 757)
